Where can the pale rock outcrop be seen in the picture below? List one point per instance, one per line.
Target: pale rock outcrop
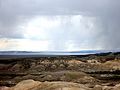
(36, 85)
(26, 85)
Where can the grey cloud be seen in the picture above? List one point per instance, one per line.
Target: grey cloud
(15, 12)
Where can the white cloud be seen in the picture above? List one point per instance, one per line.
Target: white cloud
(59, 32)
(23, 45)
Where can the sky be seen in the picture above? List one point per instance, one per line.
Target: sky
(59, 25)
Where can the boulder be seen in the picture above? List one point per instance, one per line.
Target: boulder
(97, 87)
(26, 85)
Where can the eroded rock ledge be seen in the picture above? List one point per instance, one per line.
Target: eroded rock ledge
(36, 85)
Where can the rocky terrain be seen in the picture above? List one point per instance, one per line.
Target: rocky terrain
(36, 85)
(87, 72)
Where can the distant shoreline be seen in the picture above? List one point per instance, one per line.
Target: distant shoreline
(38, 55)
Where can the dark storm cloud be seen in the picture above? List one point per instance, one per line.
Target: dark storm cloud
(13, 13)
